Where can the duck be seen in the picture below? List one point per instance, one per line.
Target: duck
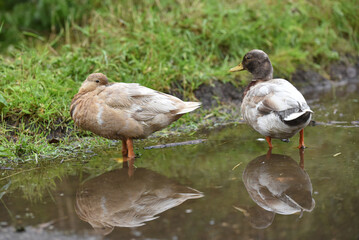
(124, 111)
(272, 107)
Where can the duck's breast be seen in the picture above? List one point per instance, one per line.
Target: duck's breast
(93, 114)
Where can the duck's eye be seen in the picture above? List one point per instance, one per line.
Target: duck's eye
(97, 81)
(248, 57)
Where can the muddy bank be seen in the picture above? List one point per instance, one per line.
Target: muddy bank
(309, 82)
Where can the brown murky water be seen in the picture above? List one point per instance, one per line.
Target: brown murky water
(229, 187)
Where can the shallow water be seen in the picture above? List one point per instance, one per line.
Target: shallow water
(229, 187)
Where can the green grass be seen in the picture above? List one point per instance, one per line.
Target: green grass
(49, 48)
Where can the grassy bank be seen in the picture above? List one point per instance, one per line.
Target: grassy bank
(49, 48)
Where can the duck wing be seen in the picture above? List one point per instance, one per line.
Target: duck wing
(282, 98)
(143, 103)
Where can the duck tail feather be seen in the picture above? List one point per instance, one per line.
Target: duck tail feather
(298, 118)
(296, 115)
(189, 107)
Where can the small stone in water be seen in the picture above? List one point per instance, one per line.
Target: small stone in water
(136, 233)
(19, 229)
(188, 210)
(3, 224)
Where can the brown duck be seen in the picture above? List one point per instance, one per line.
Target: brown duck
(124, 111)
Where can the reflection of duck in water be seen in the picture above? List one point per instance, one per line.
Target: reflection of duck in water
(278, 185)
(114, 199)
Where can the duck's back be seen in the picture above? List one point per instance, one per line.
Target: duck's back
(281, 92)
(121, 110)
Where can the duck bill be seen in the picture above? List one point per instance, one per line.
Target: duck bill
(237, 68)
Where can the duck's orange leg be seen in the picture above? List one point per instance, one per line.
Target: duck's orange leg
(124, 148)
(131, 153)
(269, 141)
(301, 139)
